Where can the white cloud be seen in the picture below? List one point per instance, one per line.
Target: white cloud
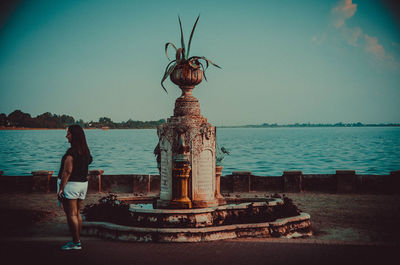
(372, 46)
(344, 10)
(341, 12)
(352, 35)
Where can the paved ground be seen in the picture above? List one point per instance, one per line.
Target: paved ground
(46, 251)
(349, 229)
(343, 217)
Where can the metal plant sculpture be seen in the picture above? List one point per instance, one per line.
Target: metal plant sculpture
(185, 70)
(220, 153)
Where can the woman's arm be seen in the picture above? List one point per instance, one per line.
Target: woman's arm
(65, 174)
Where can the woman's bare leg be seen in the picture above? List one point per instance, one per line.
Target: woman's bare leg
(66, 211)
(72, 218)
(80, 205)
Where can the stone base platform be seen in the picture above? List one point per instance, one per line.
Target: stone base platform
(289, 227)
(204, 217)
(230, 221)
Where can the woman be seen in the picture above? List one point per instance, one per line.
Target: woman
(73, 183)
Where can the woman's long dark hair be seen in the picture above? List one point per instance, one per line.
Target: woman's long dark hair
(78, 142)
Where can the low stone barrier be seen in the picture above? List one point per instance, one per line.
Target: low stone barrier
(292, 181)
(16, 183)
(94, 180)
(344, 181)
(132, 183)
(41, 180)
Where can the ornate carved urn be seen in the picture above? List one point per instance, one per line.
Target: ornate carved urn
(186, 76)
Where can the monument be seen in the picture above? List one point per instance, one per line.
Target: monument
(187, 146)
(189, 208)
(187, 140)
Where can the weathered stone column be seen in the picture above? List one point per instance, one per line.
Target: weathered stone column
(94, 178)
(292, 181)
(41, 180)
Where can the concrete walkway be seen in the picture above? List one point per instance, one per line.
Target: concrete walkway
(40, 250)
(348, 229)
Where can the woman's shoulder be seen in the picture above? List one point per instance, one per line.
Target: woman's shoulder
(75, 154)
(71, 152)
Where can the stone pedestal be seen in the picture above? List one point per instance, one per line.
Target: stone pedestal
(94, 180)
(180, 175)
(189, 134)
(41, 180)
(292, 181)
(345, 181)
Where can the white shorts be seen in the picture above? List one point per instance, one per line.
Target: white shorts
(74, 190)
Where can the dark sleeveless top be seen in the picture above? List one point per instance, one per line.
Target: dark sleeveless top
(80, 166)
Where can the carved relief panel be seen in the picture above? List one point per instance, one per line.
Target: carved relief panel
(203, 164)
(166, 169)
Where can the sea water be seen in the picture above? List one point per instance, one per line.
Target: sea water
(263, 151)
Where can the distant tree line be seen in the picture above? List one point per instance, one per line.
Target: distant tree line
(339, 124)
(105, 122)
(20, 119)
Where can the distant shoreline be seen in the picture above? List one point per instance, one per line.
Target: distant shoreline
(3, 128)
(312, 126)
(25, 129)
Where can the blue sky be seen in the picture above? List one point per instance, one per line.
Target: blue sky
(282, 61)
